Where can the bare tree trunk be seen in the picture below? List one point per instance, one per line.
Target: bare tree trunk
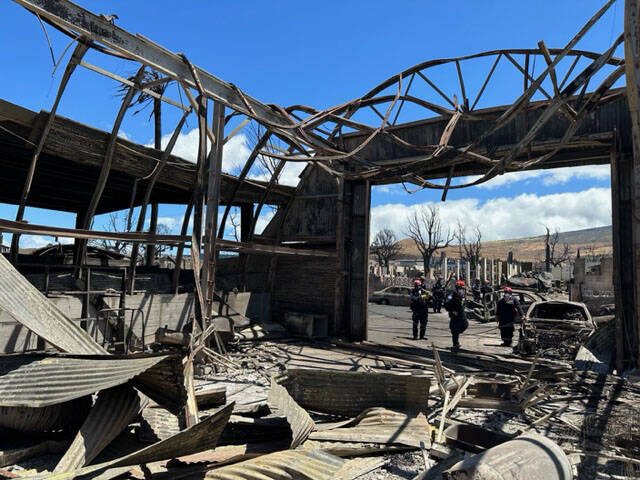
(426, 260)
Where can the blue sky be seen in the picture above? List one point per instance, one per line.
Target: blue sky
(322, 54)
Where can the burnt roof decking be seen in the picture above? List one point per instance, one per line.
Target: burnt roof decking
(70, 163)
(591, 145)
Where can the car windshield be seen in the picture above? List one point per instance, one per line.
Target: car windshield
(559, 311)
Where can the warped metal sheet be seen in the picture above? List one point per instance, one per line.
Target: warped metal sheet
(110, 415)
(39, 380)
(353, 449)
(61, 416)
(27, 305)
(299, 420)
(42, 447)
(350, 393)
(379, 425)
(202, 436)
(295, 465)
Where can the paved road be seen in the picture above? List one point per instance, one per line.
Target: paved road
(392, 325)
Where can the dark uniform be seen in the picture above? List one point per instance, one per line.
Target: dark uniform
(438, 296)
(458, 323)
(420, 309)
(475, 288)
(506, 311)
(486, 291)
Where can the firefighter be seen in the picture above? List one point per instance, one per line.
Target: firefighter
(455, 304)
(475, 289)
(419, 306)
(506, 310)
(438, 295)
(486, 291)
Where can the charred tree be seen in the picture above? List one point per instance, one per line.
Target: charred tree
(469, 246)
(385, 247)
(426, 231)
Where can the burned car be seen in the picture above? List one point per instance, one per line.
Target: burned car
(555, 329)
(485, 311)
(392, 296)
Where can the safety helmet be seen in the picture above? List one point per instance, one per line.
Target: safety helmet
(507, 290)
(417, 282)
(460, 283)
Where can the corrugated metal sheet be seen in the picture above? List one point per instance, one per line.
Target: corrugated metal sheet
(379, 425)
(353, 449)
(295, 465)
(299, 420)
(27, 305)
(350, 393)
(200, 437)
(110, 415)
(16, 455)
(62, 416)
(40, 380)
(159, 424)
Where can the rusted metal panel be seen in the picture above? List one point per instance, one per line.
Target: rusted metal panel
(41, 380)
(379, 425)
(299, 420)
(200, 437)
(350, 393)
(110, 415)
(32, 309)
(295, 465)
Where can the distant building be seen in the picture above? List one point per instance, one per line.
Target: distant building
(593, 282)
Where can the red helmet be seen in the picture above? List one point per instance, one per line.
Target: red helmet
(507, 290)
(460, 283)
(417, 282)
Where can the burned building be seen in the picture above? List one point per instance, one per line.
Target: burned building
(138, 335)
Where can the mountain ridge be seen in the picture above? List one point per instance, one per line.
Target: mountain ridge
(590, 241)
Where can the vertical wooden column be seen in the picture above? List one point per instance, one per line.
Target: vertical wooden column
(624, 279)
(214, 173)
(632, 68)
(157, 133)
(352, 291)
(246, 218)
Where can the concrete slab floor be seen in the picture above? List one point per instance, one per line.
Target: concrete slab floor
(392, 325)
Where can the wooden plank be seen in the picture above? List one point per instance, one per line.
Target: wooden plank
(145, 237)
(213, 203)
(76, 57)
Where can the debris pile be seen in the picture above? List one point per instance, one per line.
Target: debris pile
(290, 409)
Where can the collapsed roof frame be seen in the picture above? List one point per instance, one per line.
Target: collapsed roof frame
(316, 138)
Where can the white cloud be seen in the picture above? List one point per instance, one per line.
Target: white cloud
(170, 222)
(39, 241)
(236, 150)
(263, 220)
(553, 176)
(291, 173)
(502, 217)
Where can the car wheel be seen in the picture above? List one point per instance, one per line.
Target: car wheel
(385, 301)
